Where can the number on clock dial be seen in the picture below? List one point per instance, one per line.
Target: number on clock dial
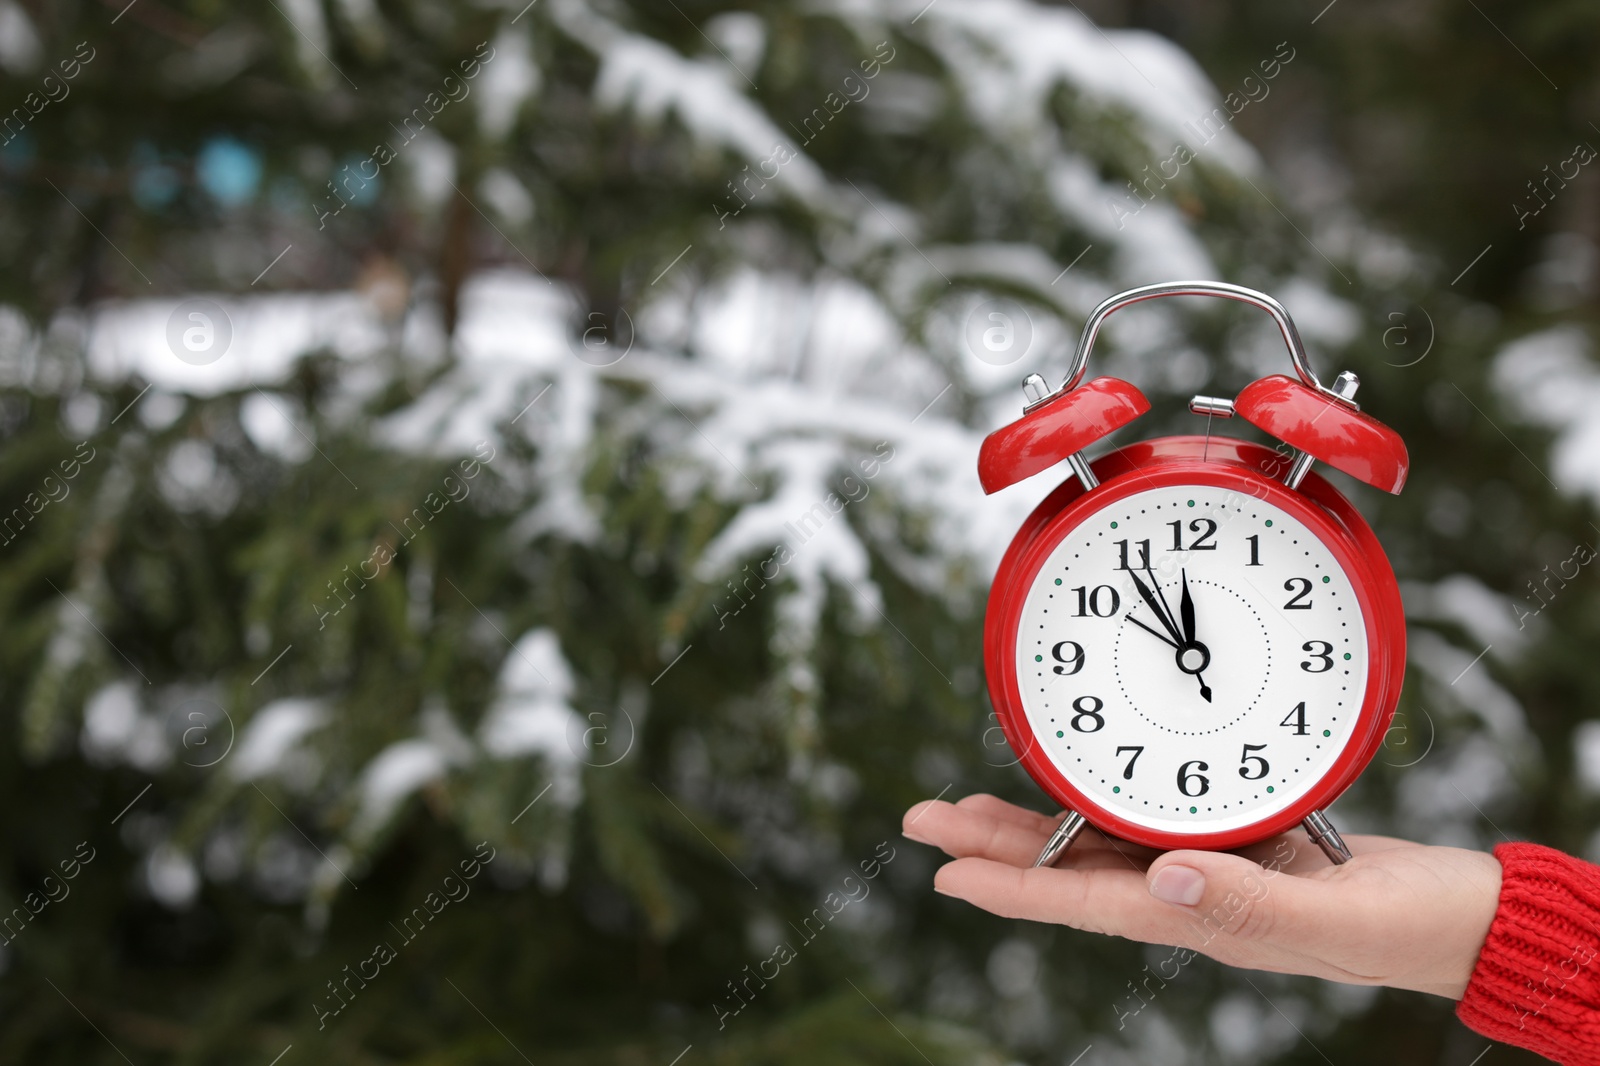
(1138, 750)
(1144, 555)
(1244, 770)
(1073, 662)
(1088, 707)
(1203, 526)
(1187, 778)
(1322, 652)
(1103, 602)
(1301, 587)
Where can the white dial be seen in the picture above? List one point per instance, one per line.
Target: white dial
(1191, 658)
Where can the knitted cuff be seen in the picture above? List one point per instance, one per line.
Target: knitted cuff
(1537, 981)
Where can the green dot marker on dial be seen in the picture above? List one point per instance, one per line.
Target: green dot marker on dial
(1269, 521)
(1059, 733)
(1327, 733)
(1269, 788)
(1113, 525)
(1038, 658)
(1194, 810)
(1191, 503)
(1326, 579)
(1347, 655)
(1116, 788)
(1058, 581)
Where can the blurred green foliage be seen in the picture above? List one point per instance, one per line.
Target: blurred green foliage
(604, 932)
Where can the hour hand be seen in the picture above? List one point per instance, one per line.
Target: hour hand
(1192, 647)
(1186, 606)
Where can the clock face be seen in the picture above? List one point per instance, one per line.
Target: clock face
(1192, 659)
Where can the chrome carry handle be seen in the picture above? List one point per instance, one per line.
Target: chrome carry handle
(1291, 336)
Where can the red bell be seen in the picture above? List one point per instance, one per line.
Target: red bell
(1057, 429)
(1326, 428)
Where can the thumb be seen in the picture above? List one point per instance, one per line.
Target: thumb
(1232, 895)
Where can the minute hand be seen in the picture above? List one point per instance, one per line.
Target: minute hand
(1169, 642)
(1156, 609)
(1186, 607)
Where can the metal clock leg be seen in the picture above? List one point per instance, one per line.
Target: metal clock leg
(1080, 467)
(1061, 839)
(1326, 837)
(1300, 468)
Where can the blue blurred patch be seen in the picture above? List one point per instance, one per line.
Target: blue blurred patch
(229, 170)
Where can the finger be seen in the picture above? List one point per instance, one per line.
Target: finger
(928, 822)
(1230, 898)
(995, 807)
(1099, 900)
(960, 832)
(966, 830)
(1129, 853)
(1232, 895)
(1100, 859)
(1045, 824)
(914, 815)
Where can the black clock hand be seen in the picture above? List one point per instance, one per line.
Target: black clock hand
(1172, 622)
(1155, 608)
(1186, 605)
(1159, 636)
(1183, 642)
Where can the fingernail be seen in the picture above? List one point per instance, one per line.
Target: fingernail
(946, 892)
(911, 834)
(1183, 885)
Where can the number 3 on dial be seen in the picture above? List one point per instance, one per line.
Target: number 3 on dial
(1320, 650)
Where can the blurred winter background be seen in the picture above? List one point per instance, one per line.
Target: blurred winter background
(414, 416)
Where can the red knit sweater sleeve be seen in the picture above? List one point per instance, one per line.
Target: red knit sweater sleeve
(1537, 981)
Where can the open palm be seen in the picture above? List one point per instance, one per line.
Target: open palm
(1399, 914)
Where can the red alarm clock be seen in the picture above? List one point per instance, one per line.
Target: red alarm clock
(1195, 641)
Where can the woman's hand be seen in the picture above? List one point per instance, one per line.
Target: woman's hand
(1398, 914)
